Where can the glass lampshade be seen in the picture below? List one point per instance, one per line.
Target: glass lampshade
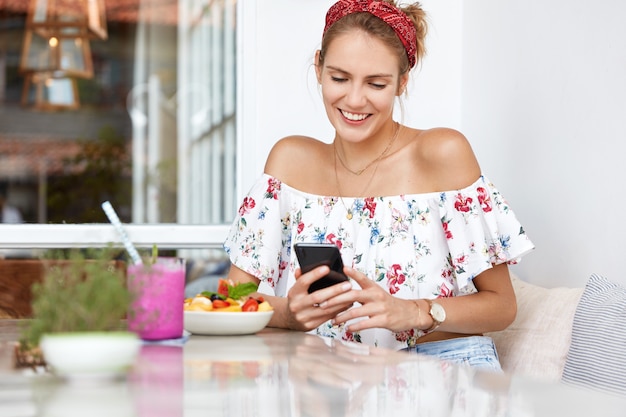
(44, 91)
(63, 56)
(68, 18)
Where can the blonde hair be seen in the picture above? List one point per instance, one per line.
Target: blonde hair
(376, 27)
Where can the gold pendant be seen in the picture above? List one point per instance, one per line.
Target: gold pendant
(349, 215)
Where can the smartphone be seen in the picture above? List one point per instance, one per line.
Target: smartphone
(312, 255)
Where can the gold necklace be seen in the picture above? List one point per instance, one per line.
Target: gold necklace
(349, 214)
(360, 171)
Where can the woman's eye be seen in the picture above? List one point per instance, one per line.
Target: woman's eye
(338, 79)
(378, 86)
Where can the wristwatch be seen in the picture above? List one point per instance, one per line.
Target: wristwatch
(437, 313)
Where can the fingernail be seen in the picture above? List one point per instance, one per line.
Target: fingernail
(347, 286)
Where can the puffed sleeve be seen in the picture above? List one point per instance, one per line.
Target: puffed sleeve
(256, 241)
(481, 230)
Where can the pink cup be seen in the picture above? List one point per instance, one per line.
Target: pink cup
(159, 289)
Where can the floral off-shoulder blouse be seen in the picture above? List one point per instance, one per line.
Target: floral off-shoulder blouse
(414, 246)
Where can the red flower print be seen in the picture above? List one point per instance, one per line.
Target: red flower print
(395, 278)
(446, 273)
(370, 205)
(300, 227)
(405, 335)
(273, 187)
(447, 232)
(444, 291)
(283, 265)
(484, 199)
(332, 238)
(247, 205)
(348, 337)
(463, 203)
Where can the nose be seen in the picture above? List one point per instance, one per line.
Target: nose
(355, 96)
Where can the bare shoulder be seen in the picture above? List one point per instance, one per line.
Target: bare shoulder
(449, 157)
(290, 154)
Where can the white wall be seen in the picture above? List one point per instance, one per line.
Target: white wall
(544, 102)
(539, 89)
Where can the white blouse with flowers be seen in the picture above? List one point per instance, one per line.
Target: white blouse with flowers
(414, 246)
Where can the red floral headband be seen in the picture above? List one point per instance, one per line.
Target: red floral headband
(394, 17)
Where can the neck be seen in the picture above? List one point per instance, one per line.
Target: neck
(371, 157)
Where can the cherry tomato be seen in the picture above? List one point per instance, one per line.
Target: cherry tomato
(250, 305)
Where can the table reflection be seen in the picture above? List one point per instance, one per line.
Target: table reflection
(281, 373)
(158, 381)
(82, 398)
(313, 376)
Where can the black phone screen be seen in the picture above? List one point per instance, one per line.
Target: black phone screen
(312, 255)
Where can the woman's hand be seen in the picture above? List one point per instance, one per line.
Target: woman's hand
(307, 311)
(378, 308)
(301, 310)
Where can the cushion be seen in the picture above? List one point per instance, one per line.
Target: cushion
(597, 356)
(537, 342)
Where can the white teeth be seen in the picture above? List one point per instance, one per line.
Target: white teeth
(353, 116)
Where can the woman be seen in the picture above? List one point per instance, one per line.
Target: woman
(426, 239)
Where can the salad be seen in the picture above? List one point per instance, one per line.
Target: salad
(230, 297)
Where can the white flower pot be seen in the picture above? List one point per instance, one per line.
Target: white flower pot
(90, 354)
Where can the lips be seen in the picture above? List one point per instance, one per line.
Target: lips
(354, 117)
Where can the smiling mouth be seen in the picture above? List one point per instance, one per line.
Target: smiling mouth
(354, 117)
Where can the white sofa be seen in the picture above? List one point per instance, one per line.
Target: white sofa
(573, 335)
(537, 342)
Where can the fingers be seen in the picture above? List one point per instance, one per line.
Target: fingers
(326, 297)
(361, 279)
(308, 317)
(304, 280)
(308, 311)
(322, 296)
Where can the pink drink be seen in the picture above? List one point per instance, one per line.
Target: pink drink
(157, 311)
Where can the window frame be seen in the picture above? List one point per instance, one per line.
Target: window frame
(164, 235)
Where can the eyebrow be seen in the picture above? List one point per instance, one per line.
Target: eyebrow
(381, 75)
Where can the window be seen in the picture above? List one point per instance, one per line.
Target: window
(152, 128)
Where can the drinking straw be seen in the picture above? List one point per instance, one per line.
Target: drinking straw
(112, 215)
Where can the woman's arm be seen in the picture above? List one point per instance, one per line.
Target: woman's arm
(492, 308)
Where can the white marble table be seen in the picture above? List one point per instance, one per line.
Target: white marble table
(280, 373)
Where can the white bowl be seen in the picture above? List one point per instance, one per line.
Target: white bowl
(226, 323)
(90, 354)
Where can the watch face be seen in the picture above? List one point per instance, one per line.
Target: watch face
(437, 312)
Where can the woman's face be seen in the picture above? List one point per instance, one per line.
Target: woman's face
(360, 80)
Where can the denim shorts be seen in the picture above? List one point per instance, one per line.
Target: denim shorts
(475, 351)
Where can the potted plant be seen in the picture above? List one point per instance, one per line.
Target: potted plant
(79, 310)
